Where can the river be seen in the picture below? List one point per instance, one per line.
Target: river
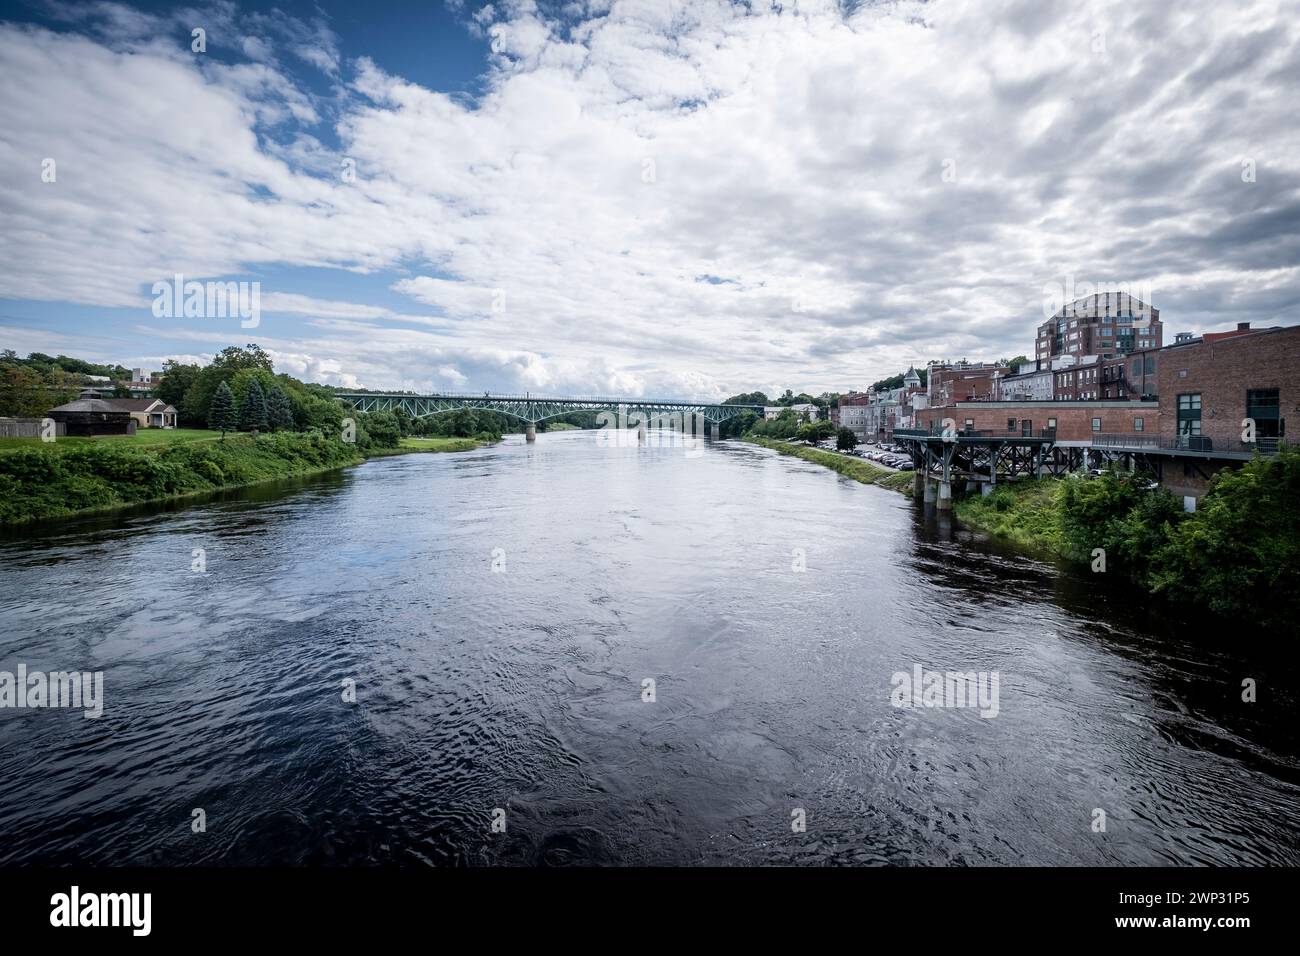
(500, 612)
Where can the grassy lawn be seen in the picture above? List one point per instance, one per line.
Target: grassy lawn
(144, 436)
(846, 465)
(440, 444)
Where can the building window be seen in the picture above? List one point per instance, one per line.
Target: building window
(1264, 406)
(1011, 424)
(1189, 415)
(1151, 364)
(1051, 423)
(1139, 424)
(1096, 424)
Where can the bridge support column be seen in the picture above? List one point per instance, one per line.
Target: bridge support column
(945, 496)
(531, 433)
(640, 431)
(987, 488)
(931, 491)
(715, 432)
(918, 484)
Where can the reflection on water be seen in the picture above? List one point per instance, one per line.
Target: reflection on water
(522, 689)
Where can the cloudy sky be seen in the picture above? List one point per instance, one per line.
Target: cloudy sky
(656, 197)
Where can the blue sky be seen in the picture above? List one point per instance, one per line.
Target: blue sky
(639, 196)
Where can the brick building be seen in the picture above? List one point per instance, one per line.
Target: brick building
(963, 382)
(1107, 325)
(1072, 422)
(1207, 387)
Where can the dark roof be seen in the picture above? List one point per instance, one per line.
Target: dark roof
(89, 405)
(136, 404)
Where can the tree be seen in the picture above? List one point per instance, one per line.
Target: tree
(176, 381)
(382, 430)
(252, 411)
(279, 413)
(845, 440)
(742, 422)
(1239, 552)
(816, 431)
(221, 413)
(250, 356)
(23, 392)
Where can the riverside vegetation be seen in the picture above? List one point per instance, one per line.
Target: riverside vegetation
(1238, 554)
(280, 428)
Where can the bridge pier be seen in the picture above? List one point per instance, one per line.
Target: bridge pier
(918, 484)
(715, 432)
(945, 496)
(530, 434)
(931, 491)
(640, 432)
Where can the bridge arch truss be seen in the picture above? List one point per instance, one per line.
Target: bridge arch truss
(533, 409)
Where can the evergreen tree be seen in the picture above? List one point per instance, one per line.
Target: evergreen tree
(252, 413)
(279, 412)
(221, 413)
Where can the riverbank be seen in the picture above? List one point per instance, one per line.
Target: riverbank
(846, 465)
(409, 446)
(1237, 555)
(83, 476)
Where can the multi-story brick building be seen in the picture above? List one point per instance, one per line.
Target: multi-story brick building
(1187, 409)
(1071, 422)
(1076, 379)
(1209, 387)
(963, 382)
(1107, 325)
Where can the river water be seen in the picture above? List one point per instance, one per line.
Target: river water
(500, 612)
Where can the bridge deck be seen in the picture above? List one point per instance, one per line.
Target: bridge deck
(536, 408)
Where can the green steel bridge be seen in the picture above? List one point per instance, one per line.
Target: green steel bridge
(535, 408)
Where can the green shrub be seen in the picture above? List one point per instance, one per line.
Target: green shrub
(1239, 554)
(62, 478)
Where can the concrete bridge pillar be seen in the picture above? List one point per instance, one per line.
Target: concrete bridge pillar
(918, 484)
(531, 433)
(640, 431)
(931, 491)
(987, 488)
(715, 431)
(945, 496)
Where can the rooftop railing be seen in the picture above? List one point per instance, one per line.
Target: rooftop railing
(1189, 443)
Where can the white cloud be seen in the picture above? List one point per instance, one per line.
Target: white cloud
(678, 199)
